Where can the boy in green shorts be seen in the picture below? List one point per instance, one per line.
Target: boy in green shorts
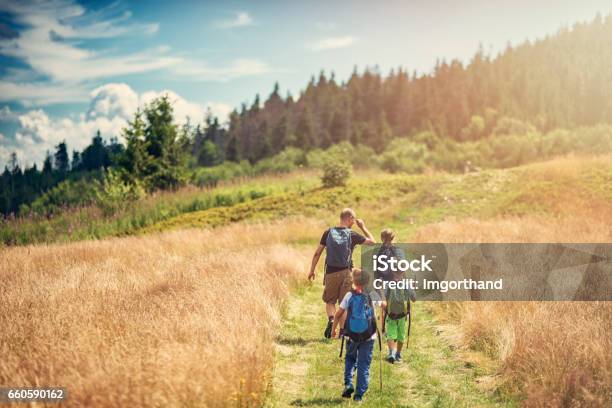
(397, 310)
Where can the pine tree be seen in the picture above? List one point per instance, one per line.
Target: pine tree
(166, 169)
(61, 161)
(136, 159)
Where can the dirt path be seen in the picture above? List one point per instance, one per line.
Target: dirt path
(308, 371)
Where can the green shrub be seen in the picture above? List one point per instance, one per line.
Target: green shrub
(211, 176)
(512, 126)
(114, 194)
(403, 155)
(360, 156)
(287, 160)
(475, 129)
(336, 172)
(67, 194)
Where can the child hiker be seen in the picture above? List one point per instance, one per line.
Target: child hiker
(397, 305)
(360, 328)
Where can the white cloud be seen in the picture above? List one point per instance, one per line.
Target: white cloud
(60, 68)
(240, 19)
(112, 100)
(30, 94)
(42, 43)
(110, 107)
(332, 43)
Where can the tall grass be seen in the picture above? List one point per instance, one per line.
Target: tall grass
(550, 353)
(181, 318)
(75, 224)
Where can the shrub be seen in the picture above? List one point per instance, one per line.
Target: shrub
(211, 176)
(512, 126)
(403, 155)
(287, 160)
(336, 172)
(67, 194)
(474, 130)
(114, 194)
(360, 156)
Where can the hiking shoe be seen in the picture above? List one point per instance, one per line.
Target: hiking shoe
(348, 391)
(398, 358)
(358, 398)
(327, 333)
(390, 358)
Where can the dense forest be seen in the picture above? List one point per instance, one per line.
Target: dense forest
(560, 82)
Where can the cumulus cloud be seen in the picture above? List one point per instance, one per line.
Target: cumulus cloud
(332, 43)
(112, 100)
(240, 19)
(110, 107)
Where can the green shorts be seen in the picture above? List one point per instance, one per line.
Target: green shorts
(396, 329)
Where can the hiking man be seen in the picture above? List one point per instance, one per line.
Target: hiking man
(339, 242)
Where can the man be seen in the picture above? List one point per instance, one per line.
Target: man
(339, 243)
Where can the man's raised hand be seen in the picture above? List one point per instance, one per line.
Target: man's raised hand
(359, 222)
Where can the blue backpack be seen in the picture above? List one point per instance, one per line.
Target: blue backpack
(338, 245)
(360, 322)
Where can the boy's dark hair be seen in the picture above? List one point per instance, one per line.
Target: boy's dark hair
(360, 278)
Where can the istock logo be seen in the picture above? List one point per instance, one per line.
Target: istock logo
(382, 263)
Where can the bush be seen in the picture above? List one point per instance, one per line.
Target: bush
(67, 194)
(360, 156)
(211, 176)
(475, 129)
(513, 150)
(114, 194)
(512, 126)
(287, 160)
(403, 155)
(336, 172)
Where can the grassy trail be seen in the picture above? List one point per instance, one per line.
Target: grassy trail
(308, 371)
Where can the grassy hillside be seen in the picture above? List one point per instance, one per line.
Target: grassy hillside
(406, 202)
(140, 307)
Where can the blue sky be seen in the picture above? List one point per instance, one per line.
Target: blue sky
(68, 68)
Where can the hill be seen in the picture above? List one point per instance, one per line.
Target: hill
(149, 305)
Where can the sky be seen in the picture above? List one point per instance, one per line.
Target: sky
(69, 68)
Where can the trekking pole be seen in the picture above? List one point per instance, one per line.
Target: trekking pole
(341, 346)
(409, 324)
(380, 355)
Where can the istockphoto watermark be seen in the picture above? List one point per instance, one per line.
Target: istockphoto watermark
(493, 272)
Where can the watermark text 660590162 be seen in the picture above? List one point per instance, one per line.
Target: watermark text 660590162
(33, 394)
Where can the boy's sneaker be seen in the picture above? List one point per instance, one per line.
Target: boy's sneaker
(358, 398)
(327, 333)
(398, 358)
(390, 358)
(348, 391)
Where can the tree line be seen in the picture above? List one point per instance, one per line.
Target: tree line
(561, 81)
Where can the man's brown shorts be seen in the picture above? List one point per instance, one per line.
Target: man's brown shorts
(337, 284)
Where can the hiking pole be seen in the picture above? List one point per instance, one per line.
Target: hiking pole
(380, 356)
(409, 324)
(341, 346)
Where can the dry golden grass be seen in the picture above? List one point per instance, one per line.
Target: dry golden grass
(553, 353)
(182, 318)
